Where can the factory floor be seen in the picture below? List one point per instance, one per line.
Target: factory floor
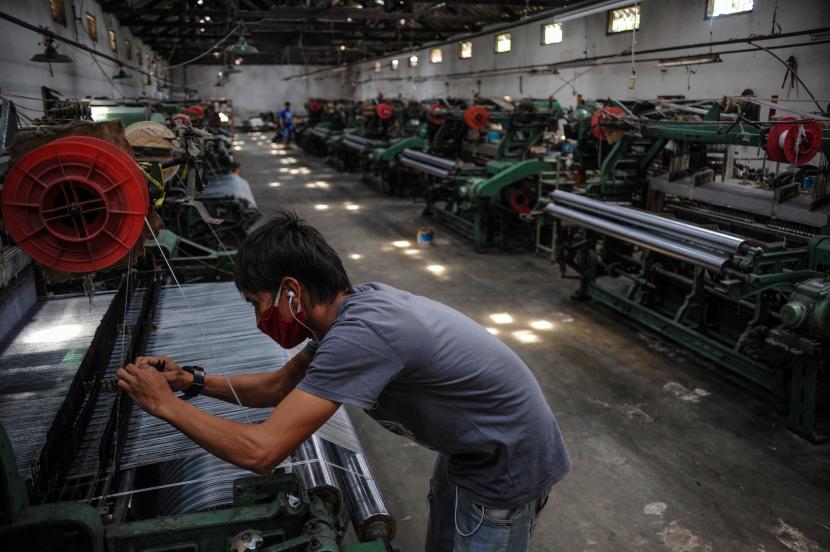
(667, 454)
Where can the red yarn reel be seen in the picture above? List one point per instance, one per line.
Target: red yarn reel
(180, 118)
(794, 143)
(436, 114)
(476, 117)
(607, 114)
(314, 105)
(521, 197)
(384, 111)
(76, 204)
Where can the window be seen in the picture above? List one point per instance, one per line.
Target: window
(503, 43)
(91, 27)
(113, 41)
(624, 19)
(128, 50)
(376, 67)
(551, 33)
(138, 58)
(394, 64)
(413, 61)
(58, 13)
(435, 55)
(715, 8)
(465, 50)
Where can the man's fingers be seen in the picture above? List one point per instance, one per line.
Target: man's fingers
(132, 369)
(125, 376)
(123, 385)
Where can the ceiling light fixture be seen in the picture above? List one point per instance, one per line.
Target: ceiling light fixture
(120, 74)
(689, 60)
(241, 47)
(50, 53)
(591, 10)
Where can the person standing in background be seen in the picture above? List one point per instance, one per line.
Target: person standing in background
(285, 121)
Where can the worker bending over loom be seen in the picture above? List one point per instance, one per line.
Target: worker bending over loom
(418, 367)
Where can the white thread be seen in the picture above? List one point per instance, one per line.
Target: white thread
(195, 319)
(208, 479)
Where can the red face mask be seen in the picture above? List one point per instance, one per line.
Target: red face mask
(288, 334)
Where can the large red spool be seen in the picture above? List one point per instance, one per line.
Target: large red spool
(795, 143)
(476, 117)
(384, 111)
(314, 105)
(76, 204)
(607, 114)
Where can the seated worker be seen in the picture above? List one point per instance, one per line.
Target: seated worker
(418, 367)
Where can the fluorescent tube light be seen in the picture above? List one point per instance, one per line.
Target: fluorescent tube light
(689, 60)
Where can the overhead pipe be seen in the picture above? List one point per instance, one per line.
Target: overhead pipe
(681, 251)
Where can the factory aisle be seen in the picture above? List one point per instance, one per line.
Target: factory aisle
(667, 455)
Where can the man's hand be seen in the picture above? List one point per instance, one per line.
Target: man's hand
(147, 387)
(178, 379)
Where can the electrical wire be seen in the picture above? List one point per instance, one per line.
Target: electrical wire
(206, 52)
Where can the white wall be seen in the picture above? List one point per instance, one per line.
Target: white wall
(663, 23)
(260, 88)
(84, 77)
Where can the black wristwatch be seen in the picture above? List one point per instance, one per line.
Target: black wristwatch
(198, 384)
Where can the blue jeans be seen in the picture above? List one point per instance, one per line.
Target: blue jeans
(457, 524)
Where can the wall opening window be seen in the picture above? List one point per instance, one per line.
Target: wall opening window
(376, 66)
(113, 40)
(465, 50)
(551, 33)
(128, 50)
(394, 64)
(138, 58)
(436, 55)
(91, 27)
(503, 43)
(58, 12)
(715, 8)
(413, 61)
(624, 19)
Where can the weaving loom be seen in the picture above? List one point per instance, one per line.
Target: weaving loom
(101, 474)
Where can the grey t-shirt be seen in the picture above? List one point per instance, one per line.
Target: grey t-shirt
(426, 371)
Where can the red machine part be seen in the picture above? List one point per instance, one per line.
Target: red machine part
(76, 204)
(601, 116)
(436, 114)
(180, 118)
(521, 197)
(384, 110)
(314, 105)
(795, 143)
(196, 111)
(476, 117)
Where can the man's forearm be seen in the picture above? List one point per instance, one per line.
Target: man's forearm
(259, 390)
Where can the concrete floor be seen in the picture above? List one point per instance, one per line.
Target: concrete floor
(667, 455)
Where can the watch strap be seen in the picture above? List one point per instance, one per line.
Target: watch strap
(198, 384)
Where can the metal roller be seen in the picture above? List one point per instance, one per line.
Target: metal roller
(682, 251)
(211, 484)
(370, 515)
(320, 132)
(429, 169)
(428, 159)
(354, 144)
(318, 474)
(678, 230)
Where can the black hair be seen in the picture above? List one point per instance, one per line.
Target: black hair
(288, 246)
(287, 104)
